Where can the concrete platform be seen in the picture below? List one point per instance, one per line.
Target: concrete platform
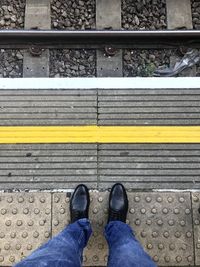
(36, 179)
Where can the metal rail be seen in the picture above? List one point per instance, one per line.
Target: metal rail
(97, 38)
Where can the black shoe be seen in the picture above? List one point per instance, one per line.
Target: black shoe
(79, 203)
(118, 204)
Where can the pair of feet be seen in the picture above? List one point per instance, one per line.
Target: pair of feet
(118, 203)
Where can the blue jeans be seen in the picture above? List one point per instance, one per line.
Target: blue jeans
(66, 249)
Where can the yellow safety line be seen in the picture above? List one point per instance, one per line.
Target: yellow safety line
(99, 134)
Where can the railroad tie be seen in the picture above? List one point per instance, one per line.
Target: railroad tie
(36, 59)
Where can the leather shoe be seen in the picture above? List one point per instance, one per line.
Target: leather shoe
(118, 204)
(79, 203)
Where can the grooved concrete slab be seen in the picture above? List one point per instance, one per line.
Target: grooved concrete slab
(139, 166)
(48, 107)
(47, 166)
(149, 107)
(162, 222)
(25, 224)
(115, 107)
(196, 222)
(149, 165)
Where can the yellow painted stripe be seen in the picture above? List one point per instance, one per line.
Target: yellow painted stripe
(99, 134)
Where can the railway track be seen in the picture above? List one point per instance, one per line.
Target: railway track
(44, 44)
(88, 39)
(92, 60)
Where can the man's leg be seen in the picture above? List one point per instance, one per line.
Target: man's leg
(65, 249)
(124, 249)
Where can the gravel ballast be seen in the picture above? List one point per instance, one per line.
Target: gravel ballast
(143, 63)
(73, 14)
(196, 14)
(144, 14)
(72, 63)
(12, 13)
(11, 63)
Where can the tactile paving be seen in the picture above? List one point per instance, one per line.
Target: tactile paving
(25, 223)
(196, 225)
(162, 222)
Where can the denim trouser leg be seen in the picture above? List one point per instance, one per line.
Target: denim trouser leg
(124, 249)
(65, 249)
